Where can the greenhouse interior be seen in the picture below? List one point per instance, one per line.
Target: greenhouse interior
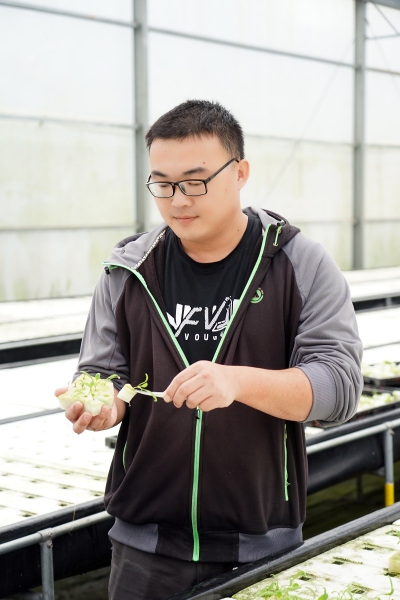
(90, 94)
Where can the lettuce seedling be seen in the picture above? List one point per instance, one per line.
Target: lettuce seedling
(92, 391)
(295, 591)
(128, 391)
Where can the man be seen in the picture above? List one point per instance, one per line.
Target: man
(223, 309)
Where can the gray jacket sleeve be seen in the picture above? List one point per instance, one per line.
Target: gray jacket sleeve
(101, 350)
(327, 346)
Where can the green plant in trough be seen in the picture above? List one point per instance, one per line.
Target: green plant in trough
(292, 591)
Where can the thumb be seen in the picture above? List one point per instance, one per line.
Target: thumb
(60, 391)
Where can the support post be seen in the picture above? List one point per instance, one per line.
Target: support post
(140, 113)
(359, 137)
(46, 564)
(389, 474)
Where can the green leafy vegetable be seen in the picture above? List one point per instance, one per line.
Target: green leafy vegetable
(128, 391)
(91, 390)
(383, 370)
(378, 399)
(295, 591)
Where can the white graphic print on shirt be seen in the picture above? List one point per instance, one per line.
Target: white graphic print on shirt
(214, 320)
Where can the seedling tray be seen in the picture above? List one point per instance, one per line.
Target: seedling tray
(363, 413)
(233, 582)
(382, 381)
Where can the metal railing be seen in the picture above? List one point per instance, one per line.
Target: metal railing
(387, 430)
(45, 537)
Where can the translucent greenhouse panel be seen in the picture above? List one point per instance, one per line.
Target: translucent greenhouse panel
(63, 67)
(309, 184)
(337, 239)
(269, 94)
(117, 9)
(154, 216)
(383, 22)
(323, 28)
(65, 176)
(383, 109)
(305, 183)
(383, 247)
(382, 184)
(54, 264)
(384, 54)
(314, 192)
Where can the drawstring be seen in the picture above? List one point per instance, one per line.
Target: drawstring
(278, 231)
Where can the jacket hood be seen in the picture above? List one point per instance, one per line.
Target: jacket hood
(133, 250)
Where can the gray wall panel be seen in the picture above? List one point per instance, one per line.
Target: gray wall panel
(382, 183)
(382, 245)
(320, 28)
(62, 67)
(314, 185)
(65, 176)
(53, 264)
(67, 189)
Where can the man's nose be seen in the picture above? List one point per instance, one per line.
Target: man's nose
(180, 199)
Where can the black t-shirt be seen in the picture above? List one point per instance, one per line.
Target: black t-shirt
(201, 297)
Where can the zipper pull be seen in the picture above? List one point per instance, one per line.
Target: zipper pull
(197, 413)
(278, 231)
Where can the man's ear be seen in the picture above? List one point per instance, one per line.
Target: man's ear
(243, 172)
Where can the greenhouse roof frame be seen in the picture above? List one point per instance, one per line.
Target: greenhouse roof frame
(140, 31)
(389, 3)
(94, 18)
(136, 25)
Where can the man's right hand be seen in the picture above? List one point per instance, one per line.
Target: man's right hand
(82, 421)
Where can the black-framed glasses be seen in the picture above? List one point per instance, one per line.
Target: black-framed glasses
(189, 187)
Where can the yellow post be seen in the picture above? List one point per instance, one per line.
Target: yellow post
(389, 494)
(389, 471)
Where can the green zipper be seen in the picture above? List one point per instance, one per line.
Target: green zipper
(286, 477)
(195, 489)
(199, 415)
(123, 457)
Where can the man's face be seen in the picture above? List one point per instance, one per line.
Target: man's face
(198, 219)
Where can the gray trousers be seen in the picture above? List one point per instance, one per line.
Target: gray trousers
(137, 575)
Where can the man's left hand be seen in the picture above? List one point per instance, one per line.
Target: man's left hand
(205, 385)
(285, 393)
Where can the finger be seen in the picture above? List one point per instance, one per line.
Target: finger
(74, 412)
(177, 381)
(187, 390)
(195, 400)
(208, 404)
(60, 391)
(99, 422)
(82, 423)
(171, 389)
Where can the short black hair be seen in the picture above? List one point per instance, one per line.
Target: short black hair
(195, 118)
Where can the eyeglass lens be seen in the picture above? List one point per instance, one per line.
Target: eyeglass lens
(192, 187)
